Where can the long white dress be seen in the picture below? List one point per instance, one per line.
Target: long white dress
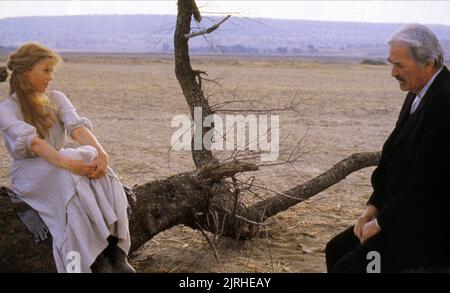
(80, 213)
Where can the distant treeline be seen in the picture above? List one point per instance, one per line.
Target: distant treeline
(6, 50)
(154, 34)
(241, 49)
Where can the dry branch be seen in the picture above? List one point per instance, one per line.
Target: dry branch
(299, 193)
(208, 30)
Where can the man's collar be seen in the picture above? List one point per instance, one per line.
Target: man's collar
(428, 84)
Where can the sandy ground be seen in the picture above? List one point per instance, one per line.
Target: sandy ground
(345, 108)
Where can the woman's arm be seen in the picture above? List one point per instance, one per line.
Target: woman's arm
(41, 148)
(84, 137)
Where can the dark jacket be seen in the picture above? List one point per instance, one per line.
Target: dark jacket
(412, 181)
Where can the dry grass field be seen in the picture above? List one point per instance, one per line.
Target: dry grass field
(343, 106)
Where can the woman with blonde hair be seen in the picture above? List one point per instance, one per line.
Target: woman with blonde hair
(77, 195)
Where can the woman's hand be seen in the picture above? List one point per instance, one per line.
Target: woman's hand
(95, 168)
(101, 167)
(84, 137)
(79, 167)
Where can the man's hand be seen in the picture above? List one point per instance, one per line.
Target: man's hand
(101, 163)
(369, 230)
(369, 214)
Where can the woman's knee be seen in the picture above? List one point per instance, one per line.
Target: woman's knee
(85, 153)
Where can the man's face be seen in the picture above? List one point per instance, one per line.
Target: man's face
(411, 76)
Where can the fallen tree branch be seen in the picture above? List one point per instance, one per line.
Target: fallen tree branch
(180, 199)
(215, 171)
(304, 191)
(210, 243)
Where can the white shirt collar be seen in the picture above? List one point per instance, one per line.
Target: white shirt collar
(427, 86)
(422, 93)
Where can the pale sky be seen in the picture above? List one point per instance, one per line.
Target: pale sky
(427, 12)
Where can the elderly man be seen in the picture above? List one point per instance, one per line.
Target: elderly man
(407, 219)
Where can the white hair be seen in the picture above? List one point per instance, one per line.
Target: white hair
(422, 42)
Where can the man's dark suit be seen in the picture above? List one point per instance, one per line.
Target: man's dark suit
(411, 187)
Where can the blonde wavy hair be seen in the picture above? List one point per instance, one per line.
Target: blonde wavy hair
(37, 108)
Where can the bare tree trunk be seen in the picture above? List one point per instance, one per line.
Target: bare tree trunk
(18, 252)
(190, 80)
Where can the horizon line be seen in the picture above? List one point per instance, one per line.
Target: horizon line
(215, 15)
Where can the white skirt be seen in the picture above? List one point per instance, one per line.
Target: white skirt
(81, 213)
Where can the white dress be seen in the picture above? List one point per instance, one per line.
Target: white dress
(81, 213)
